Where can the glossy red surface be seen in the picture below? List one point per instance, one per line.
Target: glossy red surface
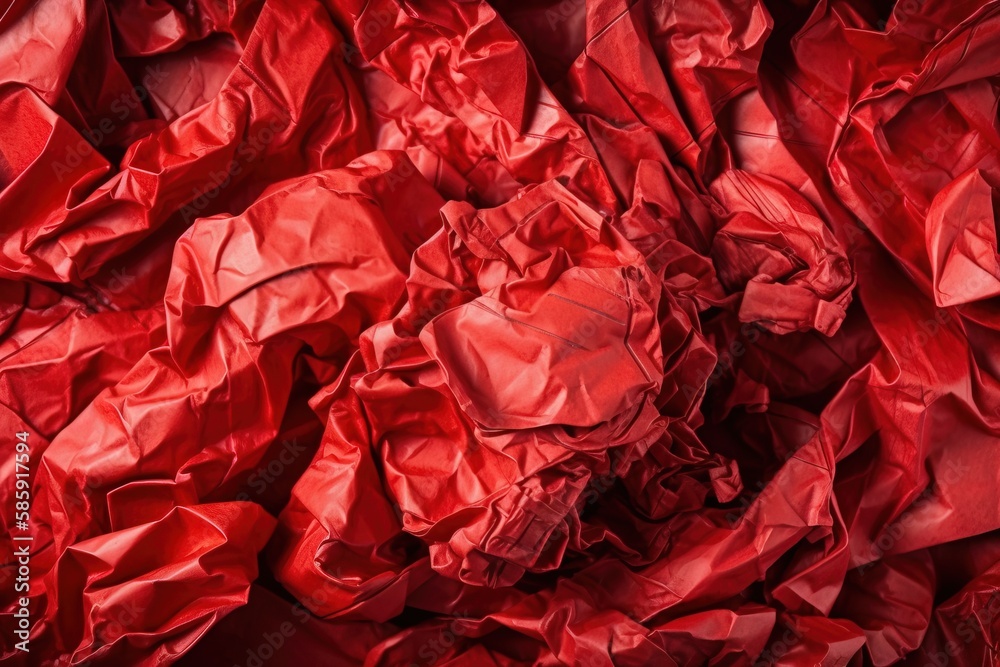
(500, 333)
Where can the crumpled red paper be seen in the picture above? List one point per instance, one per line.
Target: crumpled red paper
(500, 333)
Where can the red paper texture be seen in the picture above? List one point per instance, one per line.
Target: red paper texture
(492, 333)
